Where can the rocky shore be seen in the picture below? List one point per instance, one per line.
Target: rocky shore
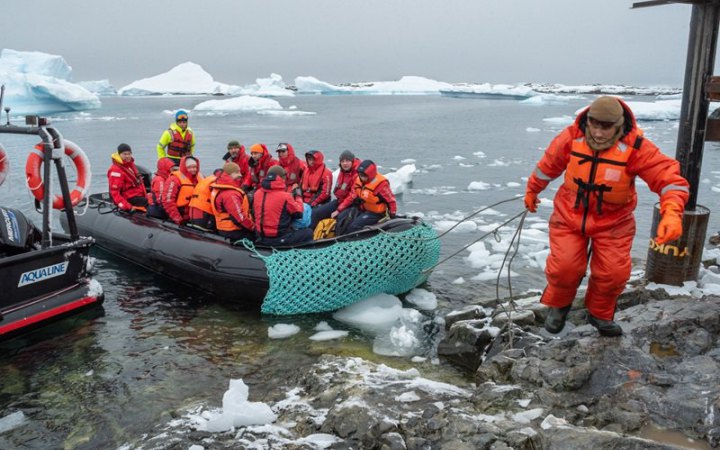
(531, 390)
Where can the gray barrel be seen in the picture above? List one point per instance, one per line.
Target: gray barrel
(679, 260)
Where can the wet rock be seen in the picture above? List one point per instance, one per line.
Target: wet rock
(465, 343)
(519, 318)
(474, 312)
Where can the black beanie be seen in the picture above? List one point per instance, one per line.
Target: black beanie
(347, 155)
(124, 148)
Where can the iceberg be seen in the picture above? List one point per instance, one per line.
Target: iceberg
(187, 78)
(99, 87)
(659, 110)
(242, 103)
(39, 83)
(487, 90)
(274, 86)
(407, 85)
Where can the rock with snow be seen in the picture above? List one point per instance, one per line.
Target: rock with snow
(39, 83)
(187, 78)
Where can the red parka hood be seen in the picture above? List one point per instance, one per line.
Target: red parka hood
(183, 167)
(226, 179)
(368, 168)
(289, 157)
(318, 157)
(164, 167)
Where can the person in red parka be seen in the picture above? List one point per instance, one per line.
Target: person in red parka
(600, 154)
(179, 188)
(294, 166)
(343, 187)
(316, 183)
(236, 153)
(164, 167)
(260, 162)
(373, 196)
(230, 205)
(275, 209)
(127, 189)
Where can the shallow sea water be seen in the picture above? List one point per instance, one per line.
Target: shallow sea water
(105, 377)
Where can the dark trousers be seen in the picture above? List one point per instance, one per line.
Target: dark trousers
(157, 211)
(291, 238)
(321, 212)
(361, 220)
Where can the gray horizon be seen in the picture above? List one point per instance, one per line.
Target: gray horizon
(236, 41)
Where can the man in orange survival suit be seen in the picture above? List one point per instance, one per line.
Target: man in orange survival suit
(601, 154)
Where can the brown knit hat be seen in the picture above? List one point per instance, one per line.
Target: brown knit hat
(277, 171)
(231, 168)
(606, 109)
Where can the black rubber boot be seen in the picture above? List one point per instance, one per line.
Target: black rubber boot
(606, 328)
(555, 320)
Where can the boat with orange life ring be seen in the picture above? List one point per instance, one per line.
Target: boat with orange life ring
(34, 176)
(4, 164)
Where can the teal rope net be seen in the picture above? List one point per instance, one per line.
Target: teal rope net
(325, 279)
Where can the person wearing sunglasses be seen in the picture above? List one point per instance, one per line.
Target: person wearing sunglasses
(178, 140)
(600, 155)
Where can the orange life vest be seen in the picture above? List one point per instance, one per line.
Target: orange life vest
(201, 195)
(366, 192)
(602, 174)
(179, 146)
(223, 220)
(186, 188)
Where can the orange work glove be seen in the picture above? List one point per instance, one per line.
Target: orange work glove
(670, 226)
(531, 201)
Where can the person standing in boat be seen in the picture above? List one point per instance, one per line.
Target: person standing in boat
(230, 205)
(178, 140)
(294, 166)
(275, 209)
(600, 155)
(260, 162)
(127, 188)
(236, 153)
(157, 187)
(372, 195)
(343, 187)
(179, 188)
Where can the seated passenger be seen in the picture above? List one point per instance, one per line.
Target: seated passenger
(317, 180)
(344, 185)
(230, 205)
(164, 167)
(374, 197)
(200, 212)
(275, 209)
(127, 189)
(294, 166)
(179, 188)
(260, 162)
(236, 153)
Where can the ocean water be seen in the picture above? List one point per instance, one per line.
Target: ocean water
(106, 377)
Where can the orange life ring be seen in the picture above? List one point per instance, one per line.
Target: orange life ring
(35, 181)
(4, 165)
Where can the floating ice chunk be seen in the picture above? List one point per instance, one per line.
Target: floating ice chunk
(512, 184)
(401, 178)
(328, 335)
(532, 130)
(458, 158)
(559, 121)
(465, 227)
(459, 280)
(11, 421)
(373, 314)
(272, 112)
(402, 339)
(237, 411)
(408, 161)
(480, 154)
(242, 103)
(478, 186)
(282, 330)
(322, 326)
(421, 298)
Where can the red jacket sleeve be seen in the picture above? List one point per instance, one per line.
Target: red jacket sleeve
(384, 192)
(294, 206)
(348, 200)
(116, 183)
(240, 215)
(660, 172)
(172, 189)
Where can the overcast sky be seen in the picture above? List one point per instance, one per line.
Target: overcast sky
(236, 41)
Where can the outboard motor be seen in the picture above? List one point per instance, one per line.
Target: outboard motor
(17, 232)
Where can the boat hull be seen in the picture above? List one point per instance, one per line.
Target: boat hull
(40, 286)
